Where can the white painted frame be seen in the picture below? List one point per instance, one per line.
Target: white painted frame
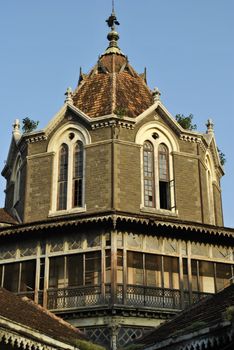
(60, 137)
(165, 136)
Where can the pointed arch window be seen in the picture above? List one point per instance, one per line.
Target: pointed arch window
(164, 178)
(149, 180)
(63, 177)
(77, 175)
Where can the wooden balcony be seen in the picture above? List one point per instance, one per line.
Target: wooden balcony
(134, 296)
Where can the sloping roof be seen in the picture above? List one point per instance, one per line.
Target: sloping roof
(112, 86)
(209, 312)
(6, 218)
(117, 218)
(25, 312)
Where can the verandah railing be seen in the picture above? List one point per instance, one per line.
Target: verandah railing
(132, 295)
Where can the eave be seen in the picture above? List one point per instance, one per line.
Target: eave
(117, 219)
(12, 332)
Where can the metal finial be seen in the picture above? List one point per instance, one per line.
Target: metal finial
(156, 94)
(112, 20)
(210, 126)
(68, 95)
(16, 129)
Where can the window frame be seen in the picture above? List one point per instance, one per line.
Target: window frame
(69, 135)
(156, 143)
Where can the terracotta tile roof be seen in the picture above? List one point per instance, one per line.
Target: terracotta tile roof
(209, 312)
(112, 86)
(6, 218)
(25, 312)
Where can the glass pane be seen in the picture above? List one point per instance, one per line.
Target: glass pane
(163, 163)
(108, 266)
(223, 275)
(119, 266)
(135, 268)
(206, 277)
(185, 274)
(93, 240)
(194, 275)
(62, 177)
(28, 273)
(77, 174)
(171, 272)
(74, 241)
(8, 252)
(108, 239)
(75, 270)
(148, 174)
(93, 268)
(42, 273)
(11, 277)
(56, 273)
(153, 270)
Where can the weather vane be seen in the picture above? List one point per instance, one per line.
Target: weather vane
(112, 20)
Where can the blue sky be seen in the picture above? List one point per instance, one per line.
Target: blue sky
(186, 45)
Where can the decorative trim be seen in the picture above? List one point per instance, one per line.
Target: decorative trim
(112, 123)
(190, 138)
(36, 138)
(22, 336)
(148, 220)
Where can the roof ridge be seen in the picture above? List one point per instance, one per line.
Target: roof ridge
(113, 104)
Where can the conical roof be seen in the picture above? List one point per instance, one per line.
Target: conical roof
(112, 86)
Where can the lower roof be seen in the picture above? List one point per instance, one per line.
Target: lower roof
(213, 313)
(26, 313)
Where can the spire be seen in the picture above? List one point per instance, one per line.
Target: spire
(113, 35)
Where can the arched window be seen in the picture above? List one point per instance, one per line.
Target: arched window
(210, 194)
(164, 176)
(77, 187)
(158, 145)
(67, 146)
(149, 185)
(62, 177)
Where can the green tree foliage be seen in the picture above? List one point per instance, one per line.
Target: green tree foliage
(222, 156)
(186, 122)
(85, 345)
(29, 125)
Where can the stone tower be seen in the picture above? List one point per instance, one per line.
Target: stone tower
(117, 209)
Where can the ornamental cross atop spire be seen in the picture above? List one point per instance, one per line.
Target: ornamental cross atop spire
(113, 35)
(112, 20)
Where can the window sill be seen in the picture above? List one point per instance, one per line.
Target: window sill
(164, 212)
(67, 212)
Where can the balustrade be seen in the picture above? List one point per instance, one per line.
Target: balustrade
(77, 297)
